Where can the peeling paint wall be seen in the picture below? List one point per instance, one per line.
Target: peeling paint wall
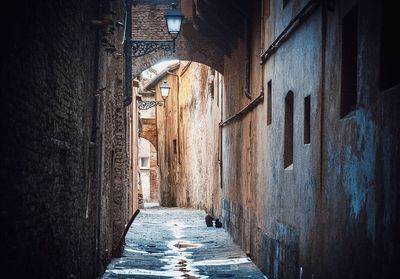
(188, 139)
(333, 213)
(360, 180)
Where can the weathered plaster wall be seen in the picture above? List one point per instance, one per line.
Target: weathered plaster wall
(154, 177)
(188, 139)
(199, 116)
(360, 186)
(292, 192)
(167, 130)
(334, 212)
(243, 145)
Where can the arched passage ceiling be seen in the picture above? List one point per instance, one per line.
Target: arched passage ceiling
(210, 30)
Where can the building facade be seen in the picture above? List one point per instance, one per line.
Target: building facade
(66, 184)
(309, 186)
(188, 136)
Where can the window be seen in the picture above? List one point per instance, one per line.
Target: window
(144, 162)
(288, 130)
(390, 47)
(267, 8)
(248, 61)
(307, 117)
(174, 146)
(348, 94)
(269, 102)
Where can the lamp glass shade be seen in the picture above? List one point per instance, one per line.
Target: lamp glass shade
(174, 24)
(174, 19)
(164, 89)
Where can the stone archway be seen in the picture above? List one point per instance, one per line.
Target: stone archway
(149, 130)
(148, 24)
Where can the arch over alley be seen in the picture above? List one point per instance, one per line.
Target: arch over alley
(148, 24)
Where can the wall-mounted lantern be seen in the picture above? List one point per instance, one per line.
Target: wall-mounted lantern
(173, 18)
(164, 90)
(137, 48)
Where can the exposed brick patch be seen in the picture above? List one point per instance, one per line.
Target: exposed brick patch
(149, 131)
(148, 23)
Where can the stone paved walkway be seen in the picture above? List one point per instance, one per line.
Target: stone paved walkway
(176, 243)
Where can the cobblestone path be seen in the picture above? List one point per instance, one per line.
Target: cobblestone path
(176, 243)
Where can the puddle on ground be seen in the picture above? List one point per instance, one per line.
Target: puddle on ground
(183, 245)
(137, 271)
(176, 229)
(223, 262)
(178, 262)
(178, 259)
(135, 251)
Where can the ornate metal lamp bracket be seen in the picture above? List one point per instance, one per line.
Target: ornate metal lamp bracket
(143, 105)
(140, 48)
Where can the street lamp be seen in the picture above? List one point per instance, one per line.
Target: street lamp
(173, 19)
(137, 48)
(164, 90)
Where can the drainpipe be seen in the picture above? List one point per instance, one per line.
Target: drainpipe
(177, 119)
(220, 134)
(93, 173)
(248, 36)
(319, 206)
(322, 90)
(128, 53)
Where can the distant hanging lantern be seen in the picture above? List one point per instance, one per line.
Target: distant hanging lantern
(164, 88)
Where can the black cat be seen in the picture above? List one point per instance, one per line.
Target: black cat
(209, 221)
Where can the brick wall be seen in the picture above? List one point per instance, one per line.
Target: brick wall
(149, 130)
(148, 23)
(63, 128)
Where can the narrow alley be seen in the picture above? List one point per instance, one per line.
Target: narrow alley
(279, 118)
(176, 243)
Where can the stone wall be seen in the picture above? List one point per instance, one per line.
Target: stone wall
(330, 213)
(188, 139)
(63, 151)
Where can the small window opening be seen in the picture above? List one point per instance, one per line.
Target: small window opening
(288, 130)
(267, 9)
(269, 102)
(307, 118)
(390, 46)
(144, 162)
(348, 101)
(174, 146)
(285, 2)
